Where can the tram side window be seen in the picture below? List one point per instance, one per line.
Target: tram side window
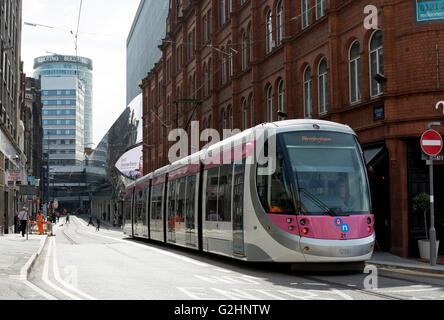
(156, 209)
(172, 198)
(211, 194)
(145, 205)
(274, 191)
(139, 206)
(191, 192)
(224, 194)
(127, 207)
(181, 186)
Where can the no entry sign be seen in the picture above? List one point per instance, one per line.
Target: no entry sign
(431, 143)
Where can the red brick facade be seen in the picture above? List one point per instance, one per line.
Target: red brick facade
(228, 67)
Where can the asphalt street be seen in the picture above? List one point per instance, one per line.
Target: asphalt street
(80, 263)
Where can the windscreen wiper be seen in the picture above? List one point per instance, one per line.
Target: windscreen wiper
(318, 202)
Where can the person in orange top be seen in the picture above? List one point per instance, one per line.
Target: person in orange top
(40, 223)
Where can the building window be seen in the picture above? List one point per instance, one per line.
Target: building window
(244, 114)
(355, 72)
(205, 28)
(376, 63)
(307, 93)
(281, 98)
(230, 61)
(269, 32)
(251, 111)
(222, 12)
(251, 44)
(224, 67)
(244, 51)
(230, 117)
(270, 103)
(323, 87)
(279, 24)
(320, 8)
(224, 120)
(305, 13)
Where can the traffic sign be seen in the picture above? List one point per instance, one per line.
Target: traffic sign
(431, 143)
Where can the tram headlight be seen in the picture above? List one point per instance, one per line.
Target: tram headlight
(302, 222)
(369, 229)
(290, 228)
(369, 220)
(304, 230)
(289, 220)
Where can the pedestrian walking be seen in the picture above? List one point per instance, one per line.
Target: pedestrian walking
(16, 223)
(23, 217)
(58, 216)
(90, 221)
(98, 224)
(67, 218)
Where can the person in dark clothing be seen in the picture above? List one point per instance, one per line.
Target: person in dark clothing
(67, 218)
(98, 224)
(23, 217)
(90, 221)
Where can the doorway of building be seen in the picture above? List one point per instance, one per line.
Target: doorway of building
(377, 160)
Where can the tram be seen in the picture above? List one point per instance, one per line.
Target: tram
(293, 191)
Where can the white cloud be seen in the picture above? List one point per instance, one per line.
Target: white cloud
(104, 26)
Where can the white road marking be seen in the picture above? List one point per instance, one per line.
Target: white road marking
(341, 294)
(264, 292)
(59, 279)
(314, 284)
(45, 276)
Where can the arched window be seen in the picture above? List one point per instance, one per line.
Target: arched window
(244, 114)
(224, 119)
(355, 72)
(281, 98)
(269, 32)
(244, 51)
(323, 86)
(279, 23)
(270, 103)
(230, 118)
(376, 63)
(307, 93)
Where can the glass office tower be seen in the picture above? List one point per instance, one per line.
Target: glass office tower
(70, 66)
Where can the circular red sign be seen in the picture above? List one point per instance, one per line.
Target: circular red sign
(431, 143)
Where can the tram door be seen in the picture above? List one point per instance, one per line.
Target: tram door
(171, 232)
(238, 209)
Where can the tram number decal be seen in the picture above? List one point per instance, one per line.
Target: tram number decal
(344, 227)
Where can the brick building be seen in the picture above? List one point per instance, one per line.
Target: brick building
(238, 63)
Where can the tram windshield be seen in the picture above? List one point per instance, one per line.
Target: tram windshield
(327, 172)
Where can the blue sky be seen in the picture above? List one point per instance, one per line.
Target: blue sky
(104, 27)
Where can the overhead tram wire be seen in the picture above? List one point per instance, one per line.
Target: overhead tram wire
(69, 31)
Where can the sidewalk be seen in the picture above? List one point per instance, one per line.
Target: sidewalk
(16, 258)
(390, 260)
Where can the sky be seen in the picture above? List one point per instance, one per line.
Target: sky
(103, 30)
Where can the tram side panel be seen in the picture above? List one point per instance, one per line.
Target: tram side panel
(182, 209)
(127, 213)
(217, 233)
(156, 223)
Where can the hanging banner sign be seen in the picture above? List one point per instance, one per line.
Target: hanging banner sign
(131, 163)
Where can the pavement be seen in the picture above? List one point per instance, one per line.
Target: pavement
(17, 255)
(387, 259)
